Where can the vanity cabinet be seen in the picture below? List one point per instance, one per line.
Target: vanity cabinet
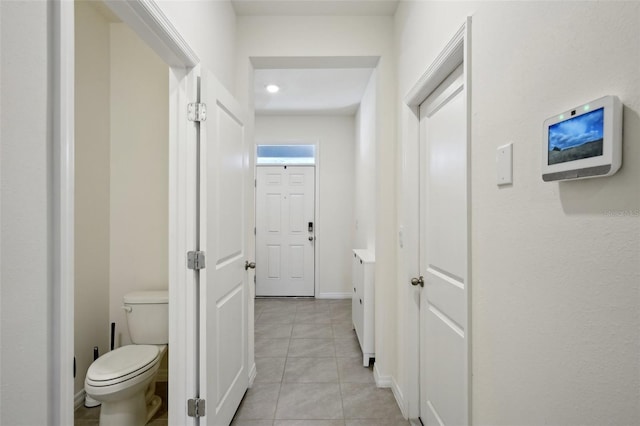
(362, 302)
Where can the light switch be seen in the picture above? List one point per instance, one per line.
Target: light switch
(504, 164)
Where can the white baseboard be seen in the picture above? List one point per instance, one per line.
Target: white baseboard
(382, 381)
(387, 381)
(397, 393)
(346, 295)
(252, 374)
(78, 399)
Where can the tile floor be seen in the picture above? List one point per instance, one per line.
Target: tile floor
(309, 370)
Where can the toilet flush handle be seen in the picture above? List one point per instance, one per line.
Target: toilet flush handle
(127, 308)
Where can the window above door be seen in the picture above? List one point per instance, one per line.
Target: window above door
(286, 154)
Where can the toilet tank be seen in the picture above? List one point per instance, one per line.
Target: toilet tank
(148, 316)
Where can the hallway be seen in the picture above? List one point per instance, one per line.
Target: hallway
(309, 369)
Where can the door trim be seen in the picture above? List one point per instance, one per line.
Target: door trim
(146, 19)
(457, 52)
(315, 221)
(317, 242)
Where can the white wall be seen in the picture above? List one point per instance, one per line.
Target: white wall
(25, 167)
(210, 29)
(27, 372)
(281, 36)
(139, 172)
(92, 131)
(556, 266)
(364, 224)
(335, 138)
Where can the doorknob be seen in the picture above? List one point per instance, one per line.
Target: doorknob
(416, 281)
(248, 265)
(310, 237)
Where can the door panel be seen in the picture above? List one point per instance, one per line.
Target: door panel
(273, 213)
(296, 263)
(296, 214)
(285, 204)
(223, 283)
(444, 255)
(273, 260)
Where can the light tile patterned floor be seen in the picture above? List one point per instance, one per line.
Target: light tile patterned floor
(309, 370)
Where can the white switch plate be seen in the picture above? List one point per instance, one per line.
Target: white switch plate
(504, 164)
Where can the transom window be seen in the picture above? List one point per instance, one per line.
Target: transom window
(286, 154)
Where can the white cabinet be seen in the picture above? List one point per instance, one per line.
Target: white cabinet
(363, 301)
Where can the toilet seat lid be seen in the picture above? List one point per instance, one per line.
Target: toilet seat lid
(122, 361)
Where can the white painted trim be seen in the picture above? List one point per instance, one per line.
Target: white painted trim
(469, 329)
(318, 228)
(182, 225)
(334, 295)
(253, 372)
(397, 393)
(147, 19)
(382, 380)
(149, 22)
(78, 399)
(317, 242)
(62, 193)
(447, 61)
(456, 52)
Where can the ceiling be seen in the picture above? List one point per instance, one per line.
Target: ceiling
(310, 91)
(315, 7)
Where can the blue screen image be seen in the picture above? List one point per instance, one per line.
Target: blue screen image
(577, 138)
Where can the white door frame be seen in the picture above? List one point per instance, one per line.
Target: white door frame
(149, 22)
(315, 213)
(318, 230)
(456, 52)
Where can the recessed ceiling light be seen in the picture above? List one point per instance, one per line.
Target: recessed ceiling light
(272, 88)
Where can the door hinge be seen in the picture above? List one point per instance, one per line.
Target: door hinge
(195, 407)
(195, 260)
(255, 232)
(197, 112)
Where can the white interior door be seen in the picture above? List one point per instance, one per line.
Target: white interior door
(444, 255)
(223, 283)
(285, 231)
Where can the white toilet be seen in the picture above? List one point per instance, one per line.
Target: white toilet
(123, 380)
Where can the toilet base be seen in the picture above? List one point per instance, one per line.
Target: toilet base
(153, 406)
(130, 411)
(137, 410)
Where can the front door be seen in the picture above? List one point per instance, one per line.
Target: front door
(444, 254)
(224, 170)
(285, 230)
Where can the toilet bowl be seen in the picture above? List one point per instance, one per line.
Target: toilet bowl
(123, 380)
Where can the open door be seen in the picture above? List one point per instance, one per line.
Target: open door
(223, 286)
